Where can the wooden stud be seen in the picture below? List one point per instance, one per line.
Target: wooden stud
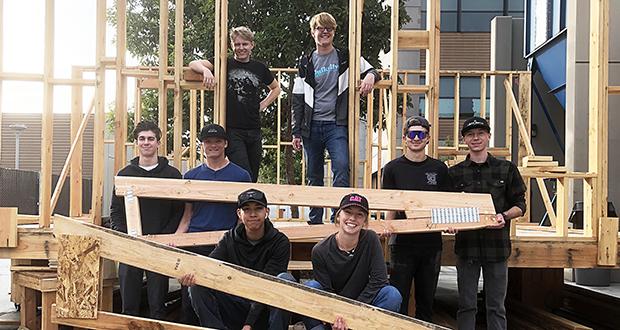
(279, 133)
(355, 13)
(433, 20)
(410, 39)
(99, 131)
(521, 123)
(237, 280)
(70, 156)
(113, 321)
(382, 106)
(221, 54)
(508, 115)
(178, 92)
(28, 308)
(162, 100)
(457, 111)
(483, 95)
(48, 299)
(369, 138)
(1, 66)
(192, 128)
(562, 207)
(613, 90)
(120, 112)
(78, 276)
(608, 242)
(132, 211)
(595, 194)
(202, 121)
(395, 45)
(47, 120)
(75, 183)
(8, 224)
(525, 108)
(546, 201)
(298, 195)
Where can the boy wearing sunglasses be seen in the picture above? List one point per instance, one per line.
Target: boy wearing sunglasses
(415, 256)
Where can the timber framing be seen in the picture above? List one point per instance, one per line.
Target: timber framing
(237, 280)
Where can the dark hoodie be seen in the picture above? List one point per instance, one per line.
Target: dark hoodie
(269, 255)
(159, 216)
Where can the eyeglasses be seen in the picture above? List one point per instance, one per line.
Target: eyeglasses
(323, 29)
(420, 134)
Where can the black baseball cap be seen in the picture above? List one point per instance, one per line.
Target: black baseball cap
(354, 199)
(416, 121)
(475, 122)
(252, 195)
(213, 130)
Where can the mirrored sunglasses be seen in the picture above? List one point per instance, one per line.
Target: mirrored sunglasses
(420, 134)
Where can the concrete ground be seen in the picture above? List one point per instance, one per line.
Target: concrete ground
(7, 308)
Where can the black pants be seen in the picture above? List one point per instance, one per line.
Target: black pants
(188, 316)
(131, 291)
(245, 148)
(422, 266)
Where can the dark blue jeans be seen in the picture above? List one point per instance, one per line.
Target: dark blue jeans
(131, 291)
(326, 135)
(245, 148)
(388, 298)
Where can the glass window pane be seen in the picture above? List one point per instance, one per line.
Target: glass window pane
(448, 5)
(470, 87)
(515, 5)
(446, 108)
(468, 5)
(477, 22)
(446, 87)
(538, 22)
(448, 22)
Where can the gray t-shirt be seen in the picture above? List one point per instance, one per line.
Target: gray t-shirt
(326, 91)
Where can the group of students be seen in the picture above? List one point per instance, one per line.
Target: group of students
(350, 262)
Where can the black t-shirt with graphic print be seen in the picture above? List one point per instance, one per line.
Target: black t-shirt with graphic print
(245, 81)
(427, 175)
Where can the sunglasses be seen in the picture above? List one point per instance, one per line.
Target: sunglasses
(420, 134)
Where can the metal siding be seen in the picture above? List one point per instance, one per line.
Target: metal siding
(463, 51)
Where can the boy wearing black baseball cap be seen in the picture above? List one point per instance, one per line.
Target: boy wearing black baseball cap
(485, 249)
(254, 243)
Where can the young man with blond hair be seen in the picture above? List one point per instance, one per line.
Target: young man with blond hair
(321, 105)
(245, 78)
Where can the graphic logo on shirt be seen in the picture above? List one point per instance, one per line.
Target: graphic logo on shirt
(243, 84)
(431, 178)
(325, 70)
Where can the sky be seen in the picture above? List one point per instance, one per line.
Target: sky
(74, 44)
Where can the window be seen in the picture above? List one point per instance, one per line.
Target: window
(473, 15)
(544, 20)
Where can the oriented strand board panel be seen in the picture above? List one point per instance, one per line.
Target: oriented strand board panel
(78, 277)
(238, 280)
(8, 227)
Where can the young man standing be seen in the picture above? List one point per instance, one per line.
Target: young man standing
(209, 216)
(158, 217)
(489, 248)
(243, 104)
(320, 106)
(254, 243)
(416, 257)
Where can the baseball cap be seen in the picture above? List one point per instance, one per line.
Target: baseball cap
(475, 122)
(213, 130)
(416, 121)
(354, 199)
(252, 195)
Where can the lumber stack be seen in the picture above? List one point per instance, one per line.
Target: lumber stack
(543, 161)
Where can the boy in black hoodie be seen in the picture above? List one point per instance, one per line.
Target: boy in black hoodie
(158, 217)
(254, 243)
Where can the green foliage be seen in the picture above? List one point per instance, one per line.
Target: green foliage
(282, 36)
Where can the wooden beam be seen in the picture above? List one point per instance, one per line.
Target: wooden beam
(220, 65)
(47, 120)
(433, 59)
(395, 45)
(595, 190)
(411, 39)
(162, 91)
(354, 38)
(523, 127)
(99, 131)
(75, 183)
(132, 210)
(544, 193)
(608, 242)
(562, 207)
(383, 199)
(113, 321)
(32, 243)
(74, 146)
(8, 226)
(483, 95)
(305, 232)
(613, 90)
(178, 92)
(120, 111)
(78, 277)
(237, 280)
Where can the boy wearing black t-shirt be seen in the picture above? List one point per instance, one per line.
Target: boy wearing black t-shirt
(245, 78)
(416, 256)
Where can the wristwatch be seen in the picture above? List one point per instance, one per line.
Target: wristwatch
(505, 216)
